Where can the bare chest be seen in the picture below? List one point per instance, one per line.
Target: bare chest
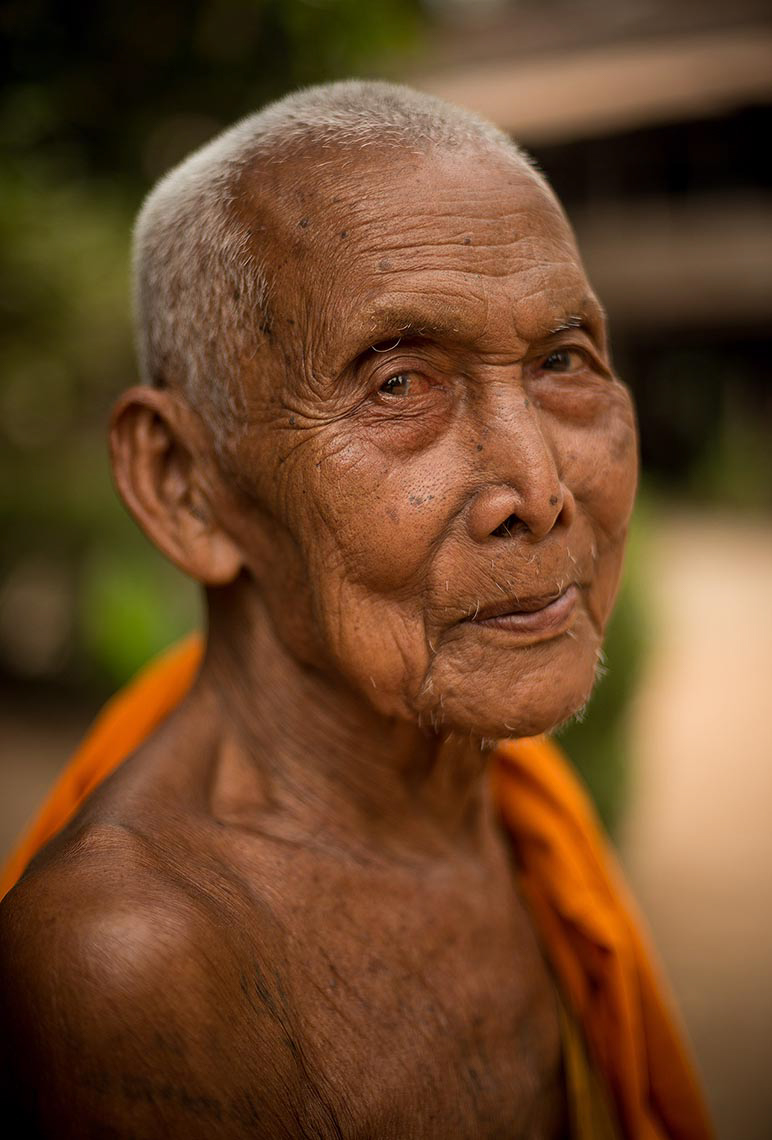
(414, 1010)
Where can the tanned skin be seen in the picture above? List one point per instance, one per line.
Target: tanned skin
(293, 912)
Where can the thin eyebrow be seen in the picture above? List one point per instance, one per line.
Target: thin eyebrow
(570, 322)
(390, 336)
(391, 331)
(403, 325)
(386, 347)
(590, 318)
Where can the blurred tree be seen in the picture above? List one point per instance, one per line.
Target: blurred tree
(127, 90)
(96, 102)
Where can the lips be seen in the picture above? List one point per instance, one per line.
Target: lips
(517, 605)
(544, 614)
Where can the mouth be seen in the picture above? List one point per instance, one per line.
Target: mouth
(546, 615)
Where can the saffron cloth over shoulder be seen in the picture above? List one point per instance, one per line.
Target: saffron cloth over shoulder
(583, 916)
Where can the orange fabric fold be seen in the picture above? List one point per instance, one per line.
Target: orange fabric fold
(120, 728)
(595, 944)
(580, 908)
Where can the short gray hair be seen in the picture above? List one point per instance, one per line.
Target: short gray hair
(201, 290)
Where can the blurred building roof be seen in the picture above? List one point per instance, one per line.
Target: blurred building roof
(482, 30)
(560, 91)
(634, 109)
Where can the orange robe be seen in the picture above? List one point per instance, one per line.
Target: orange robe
(579, 906)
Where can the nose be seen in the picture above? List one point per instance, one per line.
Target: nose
(522, 491)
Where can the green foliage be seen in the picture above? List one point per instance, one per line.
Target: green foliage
(129, 89)
(131, 606)
(97, 101)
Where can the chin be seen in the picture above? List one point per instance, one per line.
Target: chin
(541, 689)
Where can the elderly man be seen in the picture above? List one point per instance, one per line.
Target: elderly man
(381, 427)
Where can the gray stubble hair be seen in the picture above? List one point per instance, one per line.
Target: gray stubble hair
(201, 287)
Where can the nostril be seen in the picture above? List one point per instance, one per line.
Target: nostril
(506, 528)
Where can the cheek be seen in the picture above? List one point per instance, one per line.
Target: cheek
(365, 534)
(380, 521)
(599, 463)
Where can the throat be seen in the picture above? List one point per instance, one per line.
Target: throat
(296, 752)
(361, 794)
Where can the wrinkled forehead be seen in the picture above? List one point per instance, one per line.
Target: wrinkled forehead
(359, 244)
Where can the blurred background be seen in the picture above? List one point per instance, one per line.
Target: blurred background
(652, 120)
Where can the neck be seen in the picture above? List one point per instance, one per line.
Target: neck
(300, 741)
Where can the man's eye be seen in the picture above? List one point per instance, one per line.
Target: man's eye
(564, 360)
(398, 385)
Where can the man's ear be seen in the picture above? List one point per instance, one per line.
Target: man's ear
(165, 471)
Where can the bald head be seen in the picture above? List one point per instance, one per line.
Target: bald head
(203, 269)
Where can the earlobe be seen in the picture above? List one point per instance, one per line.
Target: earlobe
(165, 473)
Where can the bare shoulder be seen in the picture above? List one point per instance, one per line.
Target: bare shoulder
(104, 898)
(130, 1001)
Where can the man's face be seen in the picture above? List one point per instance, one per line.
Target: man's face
(435, 440)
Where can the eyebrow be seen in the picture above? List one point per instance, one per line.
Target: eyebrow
(571, 322)
(399, 324)
(393, 328)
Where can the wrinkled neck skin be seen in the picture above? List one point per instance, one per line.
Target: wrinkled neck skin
(299, 747)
